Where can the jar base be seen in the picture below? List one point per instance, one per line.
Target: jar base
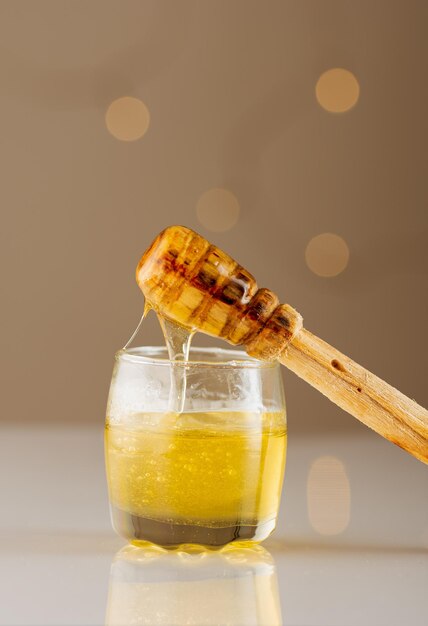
(168, 534)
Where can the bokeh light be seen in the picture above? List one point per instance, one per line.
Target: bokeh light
(328, 496)
(337, 90)
(127, 118)
(327, 254)
(218, 210)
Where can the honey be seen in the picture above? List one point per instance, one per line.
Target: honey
(196, 477)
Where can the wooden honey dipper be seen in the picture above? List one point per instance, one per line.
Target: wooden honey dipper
(196, 285)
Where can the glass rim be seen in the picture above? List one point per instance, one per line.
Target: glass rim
(232, 359)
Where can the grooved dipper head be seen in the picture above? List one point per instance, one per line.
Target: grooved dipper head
(196, 285)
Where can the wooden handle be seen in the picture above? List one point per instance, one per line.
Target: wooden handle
(356, 390)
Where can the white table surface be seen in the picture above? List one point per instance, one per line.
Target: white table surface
(57, 546)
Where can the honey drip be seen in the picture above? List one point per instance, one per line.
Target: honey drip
(177, 341)
(147, 308)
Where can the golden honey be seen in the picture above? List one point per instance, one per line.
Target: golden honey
(208, 478)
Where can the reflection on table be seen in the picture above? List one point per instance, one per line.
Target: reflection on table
(194, 586)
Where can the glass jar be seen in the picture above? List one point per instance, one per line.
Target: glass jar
(195, 450)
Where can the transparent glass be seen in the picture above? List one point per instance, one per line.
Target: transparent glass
(207, 472)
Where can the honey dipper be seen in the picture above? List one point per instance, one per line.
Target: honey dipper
(198, 286)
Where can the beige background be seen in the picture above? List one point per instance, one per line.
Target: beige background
(230, 86)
